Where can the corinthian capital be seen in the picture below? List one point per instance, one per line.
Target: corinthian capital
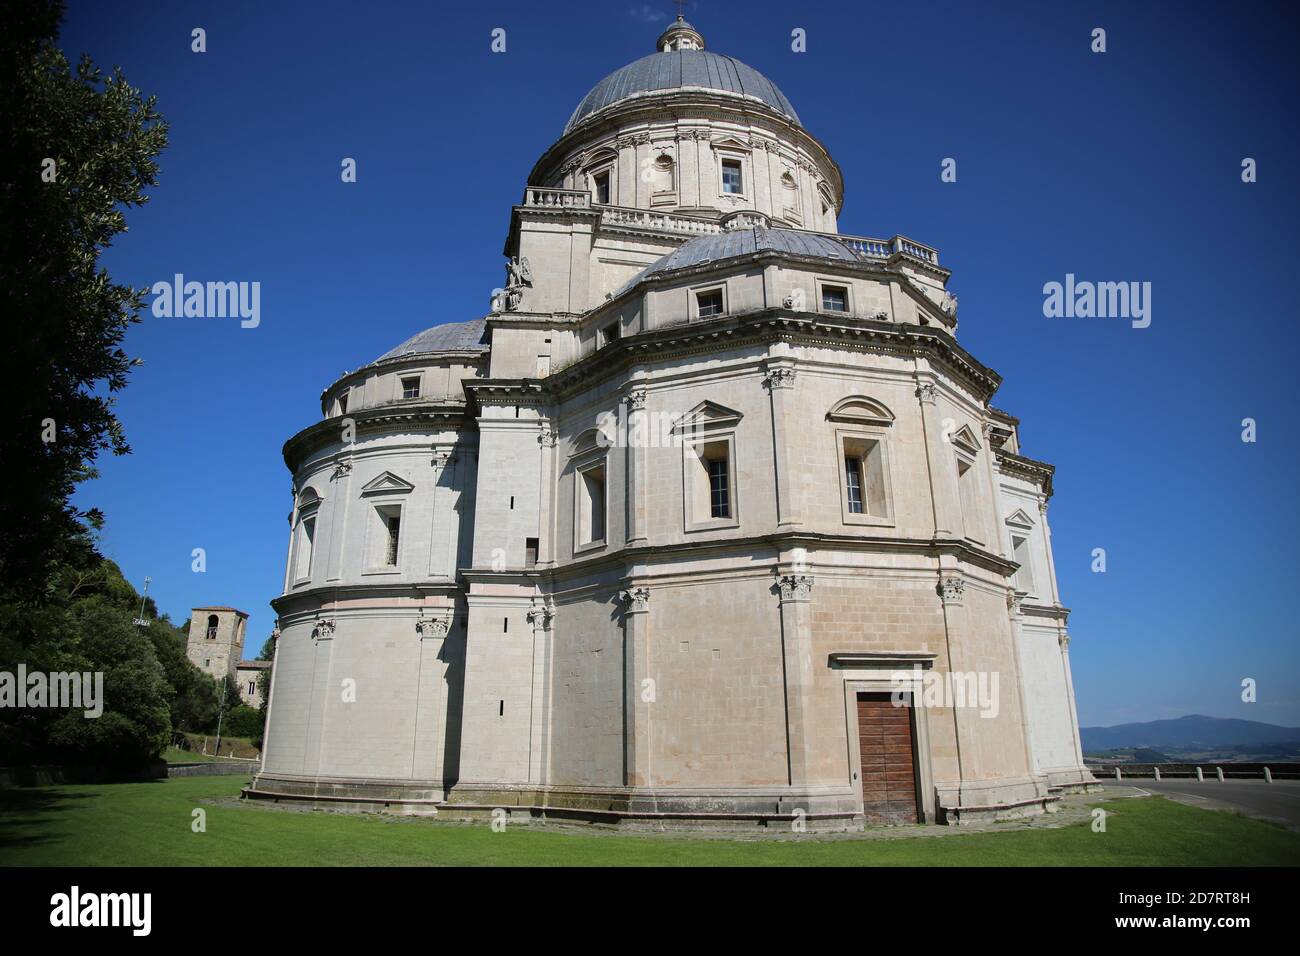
(635, 600)
(795, 587)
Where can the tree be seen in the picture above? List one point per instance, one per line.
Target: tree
(76, 148)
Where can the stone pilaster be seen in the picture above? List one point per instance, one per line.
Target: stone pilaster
(780, 385)
(541, 616)
(795, 594)
(639, 690)
(636, 464)
(943, 480)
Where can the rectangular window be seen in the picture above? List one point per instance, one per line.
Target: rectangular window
(710, 487)
(252, 688)
(530, 552)
(306, 540)
(602, 188)
(708, 304)
(719, 488)
(343, 403)
(853, 482)
(835, 298)
(731, 181)
(609, 333)
(392, 527)
(1020, 555)
(969, 494)
(865, 487)
(411, 387)
(591, 505)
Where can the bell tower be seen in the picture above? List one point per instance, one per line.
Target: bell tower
(216, 640)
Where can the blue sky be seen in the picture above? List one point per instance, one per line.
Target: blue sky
(1122, 166)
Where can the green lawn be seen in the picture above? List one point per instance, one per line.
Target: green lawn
(148, 824)
(176, 755)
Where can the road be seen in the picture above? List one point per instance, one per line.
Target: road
(1278, 801)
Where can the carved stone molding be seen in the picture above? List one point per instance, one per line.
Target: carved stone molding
(541, 615)
(780, 376)
(433, 627)
(795, 587)
(636, 400)
(951, 588)
(926, 392)
(1014, 601)
(635, 600)
(342, 469)
(323, 629)
(547, 437)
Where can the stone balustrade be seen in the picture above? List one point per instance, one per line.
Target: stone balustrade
(678, 224)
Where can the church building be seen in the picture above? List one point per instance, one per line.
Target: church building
(708, 521)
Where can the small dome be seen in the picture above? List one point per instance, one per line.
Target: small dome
(448, 337)
(682, 69)
(743, 242)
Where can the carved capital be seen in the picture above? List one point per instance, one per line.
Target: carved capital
(1063, 640)
(636, 400)
(547, 437)
(342, 469)
(432, 627)
(926, 392)
(323, 629)
(635, 600)
(541, 616)
(443, 457)
(1014, 601)
(780, 376)
(795, 587)
(951, 588)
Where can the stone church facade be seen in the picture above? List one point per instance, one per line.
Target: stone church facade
(710, 519)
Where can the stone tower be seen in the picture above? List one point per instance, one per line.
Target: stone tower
(216, 639)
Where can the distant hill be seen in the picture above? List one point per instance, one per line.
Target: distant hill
(1194, 730)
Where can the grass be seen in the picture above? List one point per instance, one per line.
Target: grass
(149, 824)
(176, 755)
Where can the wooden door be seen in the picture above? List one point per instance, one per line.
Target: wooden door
(886, 743)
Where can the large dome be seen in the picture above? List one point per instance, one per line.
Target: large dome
(675, 70)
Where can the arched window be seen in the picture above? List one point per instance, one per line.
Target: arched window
(212, 627)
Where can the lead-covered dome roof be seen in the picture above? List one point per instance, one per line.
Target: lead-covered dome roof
(682, 69)
(448, 337)
(744, 242)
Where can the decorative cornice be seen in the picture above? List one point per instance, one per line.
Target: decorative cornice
(1038, 472)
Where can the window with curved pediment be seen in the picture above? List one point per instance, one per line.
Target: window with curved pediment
(863, 428)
